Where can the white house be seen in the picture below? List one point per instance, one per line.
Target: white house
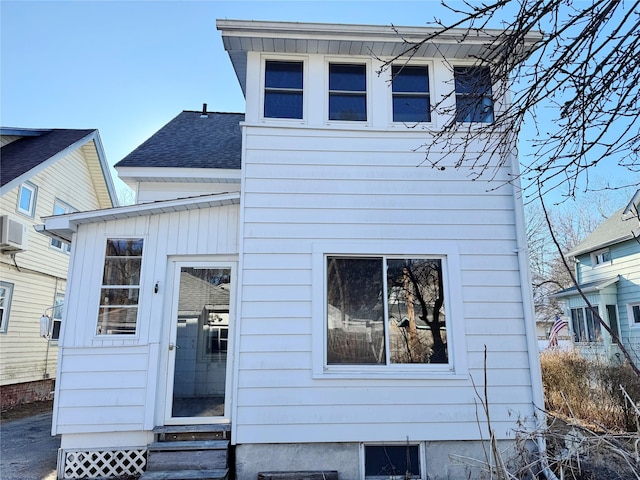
(607, 268)
(43, 172)
(290, 278)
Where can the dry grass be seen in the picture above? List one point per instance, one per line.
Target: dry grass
(590, 390)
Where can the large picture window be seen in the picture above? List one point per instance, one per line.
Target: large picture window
(474, 102)
(348, 92)
(283, 82)
(586, 327)
(119, 295)
(385, 310)
(410, 87)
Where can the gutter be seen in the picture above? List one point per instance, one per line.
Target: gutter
(528, 312)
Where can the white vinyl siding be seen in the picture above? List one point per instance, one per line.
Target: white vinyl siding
(24, 355)
(352, 187)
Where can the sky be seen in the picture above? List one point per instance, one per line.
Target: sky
(128, 67)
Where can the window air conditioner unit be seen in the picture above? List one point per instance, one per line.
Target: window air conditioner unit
(13, 235)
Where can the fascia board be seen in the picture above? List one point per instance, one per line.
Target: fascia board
(104, 166)
(178, 173)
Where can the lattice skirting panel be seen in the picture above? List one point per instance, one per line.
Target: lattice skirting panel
(103, 463)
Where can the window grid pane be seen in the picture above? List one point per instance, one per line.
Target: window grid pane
(283, 96)
(410, 85)
(119, 295)
(348, 92)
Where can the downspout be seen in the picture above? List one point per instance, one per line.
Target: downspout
(529, 319)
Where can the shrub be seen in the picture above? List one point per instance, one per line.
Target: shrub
(589, 390)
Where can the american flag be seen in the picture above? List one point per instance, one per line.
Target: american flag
(558, 325)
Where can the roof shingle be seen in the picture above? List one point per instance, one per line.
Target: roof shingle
(20, 156)
(192, 140)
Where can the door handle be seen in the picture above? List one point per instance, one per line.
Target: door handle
(172, 346)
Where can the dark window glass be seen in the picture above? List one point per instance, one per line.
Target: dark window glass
(410, 94)
(391, 461)
(347, 92)
(283, 90)
(474, 102)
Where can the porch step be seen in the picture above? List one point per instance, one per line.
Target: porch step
(222, 474)
(187, 455)
(192, 432)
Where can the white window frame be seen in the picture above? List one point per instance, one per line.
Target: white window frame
(431, 74)
(456, 347)
(305, 81)
(631, 319)
(328, 61)
(56, 244)
(6, 306)
(31, 210)
(136, 333)
(596, 258)
(585, 324)
(56, 316)
(494, 89)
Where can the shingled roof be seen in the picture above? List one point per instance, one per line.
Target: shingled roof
(619, 227)
(192, 140)
(38, 146)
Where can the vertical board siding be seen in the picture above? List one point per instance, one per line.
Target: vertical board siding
(107, 382)
(307, 185)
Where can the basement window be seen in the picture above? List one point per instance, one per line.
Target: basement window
(385, 462)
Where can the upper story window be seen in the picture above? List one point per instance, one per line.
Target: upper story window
(118, 312)
(474, 102)
(283, 89)
(410, 86)
(385, 310)
(27, 199)
(348, 92)
(60, 208)
(6, 292)
(600, 257)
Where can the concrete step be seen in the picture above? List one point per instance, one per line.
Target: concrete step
(220, 474)
(187, 455)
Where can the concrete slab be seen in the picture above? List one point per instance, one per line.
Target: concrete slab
(27, 449)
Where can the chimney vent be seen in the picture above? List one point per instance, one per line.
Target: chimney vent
(204, 111)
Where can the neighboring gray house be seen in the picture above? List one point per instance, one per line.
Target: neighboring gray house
(607, 267)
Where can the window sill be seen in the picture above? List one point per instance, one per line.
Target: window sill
(386, 373)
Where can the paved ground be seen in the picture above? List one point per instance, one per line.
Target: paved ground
(28, 451)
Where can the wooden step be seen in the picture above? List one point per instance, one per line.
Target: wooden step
(187, 455)
(221, 474)
(192, 432)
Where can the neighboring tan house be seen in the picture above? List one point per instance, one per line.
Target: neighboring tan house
(291, 281)
(607, 268)
(43, 172)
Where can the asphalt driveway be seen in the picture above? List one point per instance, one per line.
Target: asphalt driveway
(28, 451)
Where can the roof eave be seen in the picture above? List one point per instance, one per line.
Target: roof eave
(608, 243)
(63, 227)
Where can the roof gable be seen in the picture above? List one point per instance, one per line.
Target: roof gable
(192, 140)
(30, 151)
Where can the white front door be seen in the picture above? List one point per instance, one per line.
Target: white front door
(198, 374)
